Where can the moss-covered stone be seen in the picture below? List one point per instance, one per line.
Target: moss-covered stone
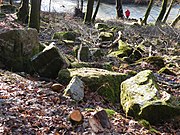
(102, 26)
(106, 83)
(67, 35)
(136, 55)
(142, 99)
(48, 62)
(96, 53)
(17, 47)
(166, 71)
(83, 53)
(106, 65)
(124, 50)
(106, 36)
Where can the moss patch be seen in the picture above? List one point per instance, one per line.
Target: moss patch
(105, 82)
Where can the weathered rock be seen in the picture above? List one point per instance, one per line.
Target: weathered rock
(104, 65)
(83, 53)
(141, 98)
(166, 70)
(7, 8)
(136, 55)
(17, 47)
(75, 89)
(96, 53)
(102, 26)
(48, 62)
(106, 36)
(106, 83)
(156, 61)
(124, 50)
(67, 35)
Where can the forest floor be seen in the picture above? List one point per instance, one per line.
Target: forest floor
(29, 106)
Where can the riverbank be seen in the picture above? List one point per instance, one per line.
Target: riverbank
(29, 106)
(138, 2)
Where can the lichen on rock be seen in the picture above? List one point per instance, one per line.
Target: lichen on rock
(106, 83)
(142, 99)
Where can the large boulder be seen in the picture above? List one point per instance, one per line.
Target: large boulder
(48, 62)
(142, 99)
(106, 83)
(17, 47)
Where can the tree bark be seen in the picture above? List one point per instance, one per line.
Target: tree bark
(144, 21)
(175, 21)
(81, 6)
(34, 21)
(89, 11)
(168, 11)
(119, 9)
(162, 12)
(11, 2)
(23, 13)
(96, 10)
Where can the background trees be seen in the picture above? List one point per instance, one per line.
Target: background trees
(23, 13)
(162, 12)
(34, 21)
(89, 11)
(144, 21)
(119, 9)
(34, 18)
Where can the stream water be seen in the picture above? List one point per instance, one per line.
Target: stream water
(107, 11)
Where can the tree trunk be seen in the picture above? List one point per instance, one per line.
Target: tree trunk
(81, 6)
(168, 11)
(50, 5)
(95, 13)
(175, 21)
(162, 12)
(144, 21)
(23, 13)
(89, 11)
(11, 2)
(119, 9)
(34, 21)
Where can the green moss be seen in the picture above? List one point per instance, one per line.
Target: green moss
(64, 76)
(68, 35)
(106, 36)
(106, 65)
(156, 61)
(141, 98)
(110, 112)
(166, 71)
(105, 82)
(101, 26)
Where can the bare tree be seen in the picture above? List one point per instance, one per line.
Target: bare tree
(89, 11)
(168, 11)
(162, 12)
(119, 9)
(144, 21)
(34, 21)
(96, 10)
(176, 20)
